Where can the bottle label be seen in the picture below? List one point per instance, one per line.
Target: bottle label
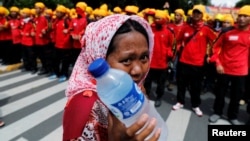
(130, 105)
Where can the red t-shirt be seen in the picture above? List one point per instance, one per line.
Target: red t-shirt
(234, 51)
(78, 26)
(163, 41)
(194, 50)
(15, 30)
(41, 24)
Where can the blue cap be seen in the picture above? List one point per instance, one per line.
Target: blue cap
(98, 67)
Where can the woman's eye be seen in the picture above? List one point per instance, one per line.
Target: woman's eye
(145, 58)
(126, 61)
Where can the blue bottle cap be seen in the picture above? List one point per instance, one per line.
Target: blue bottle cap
(98, 67)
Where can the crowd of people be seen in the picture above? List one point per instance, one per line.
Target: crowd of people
(194, 51)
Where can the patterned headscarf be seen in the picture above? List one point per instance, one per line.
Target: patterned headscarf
(95, 41)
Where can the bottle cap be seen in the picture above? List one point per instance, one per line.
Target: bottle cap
(98, 67)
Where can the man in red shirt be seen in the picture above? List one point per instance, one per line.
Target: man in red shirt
(5, 36)
(77, 28)
(63, 45)
(27, 41)
(163, 41)
(42, 47)
(176, 27)
(232, 66)
(15, 24)
(194, 38)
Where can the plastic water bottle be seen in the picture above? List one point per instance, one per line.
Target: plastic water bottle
(121, 95)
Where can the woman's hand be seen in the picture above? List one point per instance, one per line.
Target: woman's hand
(118, 132)
(220, 69)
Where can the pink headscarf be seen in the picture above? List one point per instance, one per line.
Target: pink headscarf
(96, 40)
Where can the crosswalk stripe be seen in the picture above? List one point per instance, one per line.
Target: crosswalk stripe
(9, 73)
(24, 102)
(15, 79)
(56, 135)
(23, 88)
(21, 139)
(17, 128)
(176, 132)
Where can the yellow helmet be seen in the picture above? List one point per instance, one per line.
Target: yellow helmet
(40, 5)
(200, 8)
(26, 11)
(4, 11)
(190, 11)
(180, 11)
(117, 9)
(49, 12)
(104, 7)
(244, 10)
(228, 18)
(89, 10)
(61, 8)
(14, 9)
(218, 17)
(161, 14)
(33, 11)
(81, 5)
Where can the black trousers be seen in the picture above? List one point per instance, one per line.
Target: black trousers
(74, 54)
(62, 61)
(46, 55)
(29, 58)
(189, 77)
(159, 76)
(14, 53)
(236, 92)
(5, 46)
(247, 92)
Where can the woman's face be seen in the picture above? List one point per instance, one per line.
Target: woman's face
(131, 54)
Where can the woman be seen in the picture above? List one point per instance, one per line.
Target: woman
(126, 43)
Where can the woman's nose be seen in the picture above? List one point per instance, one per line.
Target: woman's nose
(137, 70)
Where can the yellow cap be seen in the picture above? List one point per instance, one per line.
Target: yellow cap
(104, 7)
(81, 5)
(132, 9)
(228, 18)
(33, 11)
(208, 17)
(101, 12)
(161, 14)
(91, 17)
(73, 13)
(180, 11)
(89, 10)
(200, 8)
(14, 9)
(61, 8)
(49, 12)
(117, 9)
(244, 10)
(26, 11)
(218, 17)
(140, 14)
(172, 16)
(40, 5)
(149, 11)
(190, 11)
(4, 11)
